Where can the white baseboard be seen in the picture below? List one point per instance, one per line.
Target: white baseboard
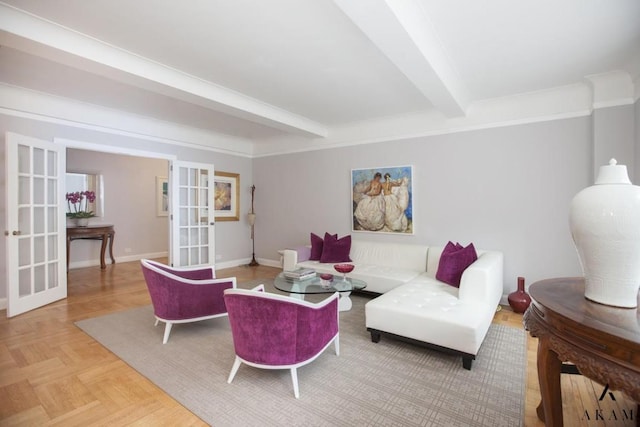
(270, 262)
(232, 263)
(128, 258)
(137, 257)
(504, 300)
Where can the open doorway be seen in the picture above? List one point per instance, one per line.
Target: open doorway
(129, 198)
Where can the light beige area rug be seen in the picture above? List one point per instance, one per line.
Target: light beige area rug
(390, 383)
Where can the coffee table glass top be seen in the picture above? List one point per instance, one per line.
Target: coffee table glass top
(314, 285)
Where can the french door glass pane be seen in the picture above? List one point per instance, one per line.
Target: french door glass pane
(52, 163)
(52, 219)
(38, 249)
(24, 190)
(24, 159)
(52, 274)
(52, 247)
(38, 161)
(38, 191)
(24, 251)
(39, 278)
(38, 220)
(24, 282)
(24, 220)
(52, 194)
(193, 238)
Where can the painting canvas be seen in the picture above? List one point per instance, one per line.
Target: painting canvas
(382, 199)
(226, 197)
(162, 196)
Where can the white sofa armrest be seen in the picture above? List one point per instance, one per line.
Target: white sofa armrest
(291, 257)
(482, 281)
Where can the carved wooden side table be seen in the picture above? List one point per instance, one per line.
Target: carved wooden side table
(104, 232)
(603, 342)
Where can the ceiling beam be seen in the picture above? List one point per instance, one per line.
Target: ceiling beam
(73, 48)
(403, 32)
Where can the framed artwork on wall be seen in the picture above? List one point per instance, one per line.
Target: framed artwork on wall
(162, 196)
(382, 200)
(227, 196)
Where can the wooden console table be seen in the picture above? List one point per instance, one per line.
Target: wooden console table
(104, 232)
(603, 342)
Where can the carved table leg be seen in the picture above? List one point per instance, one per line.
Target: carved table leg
(103, 249)
(111, 236)
(549, 367)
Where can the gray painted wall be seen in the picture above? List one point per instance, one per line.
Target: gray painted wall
(506, 189)
(614, 137)
(232, 238)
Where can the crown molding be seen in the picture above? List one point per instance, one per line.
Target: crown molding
(134, 69)
(25, 103)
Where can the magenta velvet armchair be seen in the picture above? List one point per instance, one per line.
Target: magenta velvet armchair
(279, 332)
(182, 295)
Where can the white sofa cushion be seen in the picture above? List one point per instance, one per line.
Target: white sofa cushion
(428, 310)
(395, 255)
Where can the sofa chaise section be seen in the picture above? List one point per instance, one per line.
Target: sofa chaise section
(434, 314)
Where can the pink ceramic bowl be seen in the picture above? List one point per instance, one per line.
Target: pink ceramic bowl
(326, 276)
(344, 268)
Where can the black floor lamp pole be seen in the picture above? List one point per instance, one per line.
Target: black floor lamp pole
(253, 262)
(252, 217)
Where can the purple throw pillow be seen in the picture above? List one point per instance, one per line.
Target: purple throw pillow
(317, 245)
(336, 250)
(450, 247)
(453, 262)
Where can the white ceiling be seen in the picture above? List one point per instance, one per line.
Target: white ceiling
(267, 70)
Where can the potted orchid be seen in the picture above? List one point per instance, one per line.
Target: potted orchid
(78, 210)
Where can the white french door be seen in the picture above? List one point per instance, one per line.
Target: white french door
(192, 215)
(35, 230)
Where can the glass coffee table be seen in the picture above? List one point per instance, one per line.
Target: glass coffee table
(300, 288)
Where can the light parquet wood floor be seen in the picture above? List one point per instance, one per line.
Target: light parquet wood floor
(52, 373)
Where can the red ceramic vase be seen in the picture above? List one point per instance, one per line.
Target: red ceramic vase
(519, 300)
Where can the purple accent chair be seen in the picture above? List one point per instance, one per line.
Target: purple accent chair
(184, 294)
(279, 332)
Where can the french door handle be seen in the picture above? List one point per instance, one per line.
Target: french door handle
(16, 233)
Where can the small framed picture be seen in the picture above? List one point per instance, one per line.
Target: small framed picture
(162, 196)
(226, 197)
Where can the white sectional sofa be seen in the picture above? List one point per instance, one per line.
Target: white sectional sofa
(413, 305)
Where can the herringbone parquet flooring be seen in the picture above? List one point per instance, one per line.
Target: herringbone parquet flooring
(51, 373)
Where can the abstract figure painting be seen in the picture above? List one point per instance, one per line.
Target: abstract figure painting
(226, 198)
(382, 199)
